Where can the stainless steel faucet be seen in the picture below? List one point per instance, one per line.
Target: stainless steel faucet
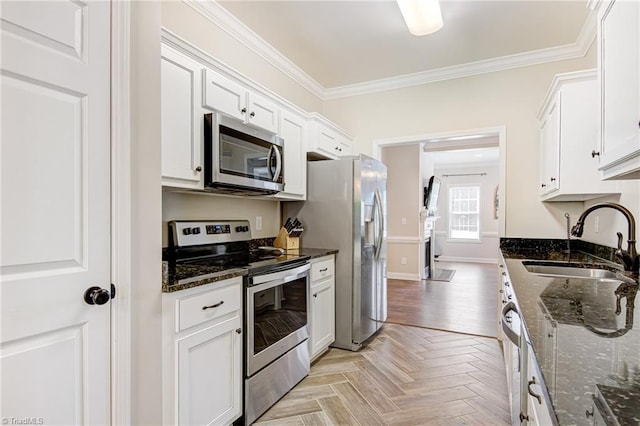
(629, 256)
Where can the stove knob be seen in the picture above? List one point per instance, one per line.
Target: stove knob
(186, 231)
(195, 230)
(246, 229)
(239, 228)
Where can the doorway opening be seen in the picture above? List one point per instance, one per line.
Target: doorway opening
(463, 229)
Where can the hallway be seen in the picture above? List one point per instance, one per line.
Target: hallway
(466, 304)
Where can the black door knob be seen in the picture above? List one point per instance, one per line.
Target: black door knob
(97, 296)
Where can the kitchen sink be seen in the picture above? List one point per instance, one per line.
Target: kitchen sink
(570, 270)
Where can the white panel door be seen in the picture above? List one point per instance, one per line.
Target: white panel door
(55, 119)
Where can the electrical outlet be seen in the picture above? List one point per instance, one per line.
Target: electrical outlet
(258, 223)
(403, 261)
(404, 220)
(596, 224)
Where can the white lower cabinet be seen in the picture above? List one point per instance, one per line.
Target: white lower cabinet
(323, 318)
(538, 408)
(202, 354)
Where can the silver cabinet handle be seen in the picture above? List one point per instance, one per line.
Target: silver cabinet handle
(215, 305)
(533, 394)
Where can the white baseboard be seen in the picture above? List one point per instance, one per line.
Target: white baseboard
(466, 259)
(403, 276)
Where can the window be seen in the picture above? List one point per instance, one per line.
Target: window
(464, 212)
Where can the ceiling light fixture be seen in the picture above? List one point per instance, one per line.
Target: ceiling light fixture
(421, 16)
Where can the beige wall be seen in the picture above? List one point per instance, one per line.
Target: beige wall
(404, 196)
(146, 198)
(511, 98)
(404, 187)
(198, 206)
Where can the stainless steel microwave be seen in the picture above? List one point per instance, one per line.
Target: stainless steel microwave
(241, 159)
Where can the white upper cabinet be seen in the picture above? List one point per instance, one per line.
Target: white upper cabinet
(568, 135)
(326, 140)
(233, 99)
(293, 130)
(619, 72)
(181, 120)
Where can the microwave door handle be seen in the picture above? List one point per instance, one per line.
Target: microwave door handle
(276, 174)
(269, 156)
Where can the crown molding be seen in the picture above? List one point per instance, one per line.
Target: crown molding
(232, 26)
(218, 15)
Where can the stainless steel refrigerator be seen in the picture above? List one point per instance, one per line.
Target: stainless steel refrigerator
(346, 209)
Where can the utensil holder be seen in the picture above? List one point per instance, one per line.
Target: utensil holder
(284, 241)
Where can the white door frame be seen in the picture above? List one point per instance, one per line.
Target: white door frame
(121, 213)
(499, 131)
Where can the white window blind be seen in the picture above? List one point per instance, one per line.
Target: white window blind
(464, 212)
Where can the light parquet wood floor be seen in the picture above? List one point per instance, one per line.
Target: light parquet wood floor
(405, 376)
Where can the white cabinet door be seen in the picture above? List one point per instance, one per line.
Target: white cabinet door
(327, 140)
(619, 65)
(182, 120)
(293, 129)
(569, 131)
(55, 176)
(538, 408)
(202, 354)
(224, 95)
(550, 154)
(345, 148)
(262, 112)
(323, 318)
(235, 100)
(323, 315)
(210, 374)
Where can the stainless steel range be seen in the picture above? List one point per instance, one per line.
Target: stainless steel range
(276, 303)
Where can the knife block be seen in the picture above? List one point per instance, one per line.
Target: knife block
(284, 241)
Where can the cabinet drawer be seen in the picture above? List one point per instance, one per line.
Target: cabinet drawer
(219, 302)
(322, 269)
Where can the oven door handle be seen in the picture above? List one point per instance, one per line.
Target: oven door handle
(277, 278)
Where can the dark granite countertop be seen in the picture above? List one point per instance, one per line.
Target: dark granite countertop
(585, 334)
(190, 276)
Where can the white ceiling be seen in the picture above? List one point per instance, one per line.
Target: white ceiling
(343, 46)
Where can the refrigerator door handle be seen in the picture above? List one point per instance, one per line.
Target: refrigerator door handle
(380, 221)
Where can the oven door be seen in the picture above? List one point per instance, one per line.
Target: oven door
(277, 309)
(237, 155)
